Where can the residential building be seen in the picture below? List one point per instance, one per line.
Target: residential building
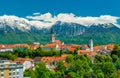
(85, 47)
(88, 52)
(104, 49)
(10, 47)
(50, 61)
(35, 45)
(5, 48)
(26, 62)
(70, 47)
(10, 69)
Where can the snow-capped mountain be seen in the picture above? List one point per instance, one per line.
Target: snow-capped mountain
(18, 29)
(46, 21)
(17, 24)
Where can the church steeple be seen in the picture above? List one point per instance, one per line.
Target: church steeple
(52, 36)
(91, 44)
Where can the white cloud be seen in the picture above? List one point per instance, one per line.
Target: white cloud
(65, 17)
(43, 17)
(36, 13)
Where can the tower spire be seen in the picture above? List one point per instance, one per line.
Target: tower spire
(91, 44)
(52, 36)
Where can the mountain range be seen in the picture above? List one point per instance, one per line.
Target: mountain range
(20, 30)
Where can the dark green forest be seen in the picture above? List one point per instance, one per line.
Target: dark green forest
(99, 38)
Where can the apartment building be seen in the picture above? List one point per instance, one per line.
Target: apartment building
(10, 69)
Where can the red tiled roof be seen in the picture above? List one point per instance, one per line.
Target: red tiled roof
(50, 45)
(85, 45)
(83, 51)
(35, 46)
(37, 58)
(58, 58)
(64, 55)
(92, 54)
(48, 60)
(110, 46)
(13, 45)
(58, 42)
(70, 48)
(98, 47)
(22, 60)
(87, 52)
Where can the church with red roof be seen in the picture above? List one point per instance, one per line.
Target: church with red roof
(54, 44)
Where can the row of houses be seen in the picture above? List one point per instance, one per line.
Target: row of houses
(57, 45)
(11, 47)
(16, 68)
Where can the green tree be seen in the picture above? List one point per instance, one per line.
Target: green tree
(117, 74)
(114, 58)
(32, 74)
(108, 69)
(77, 67)
(72, 74)
(69, 58)
(107, 58)
(42, 71)
(118, 64)
(116, 50)
(58, 74)
(60, 66)
(99, 59)
(26, 73)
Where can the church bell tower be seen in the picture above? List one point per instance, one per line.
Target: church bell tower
(52, 36)
(91, 44)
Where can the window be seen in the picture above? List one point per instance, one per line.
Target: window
(2, 74)
(1, 65)
(17, 72)
(13, 73)
(10, 73)
(10, 69)
(2, 70)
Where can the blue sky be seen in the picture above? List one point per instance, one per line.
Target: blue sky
(23, 8)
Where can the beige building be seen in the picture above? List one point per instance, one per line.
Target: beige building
(10, 69)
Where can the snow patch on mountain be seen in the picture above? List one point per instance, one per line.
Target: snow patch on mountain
(14, 22)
